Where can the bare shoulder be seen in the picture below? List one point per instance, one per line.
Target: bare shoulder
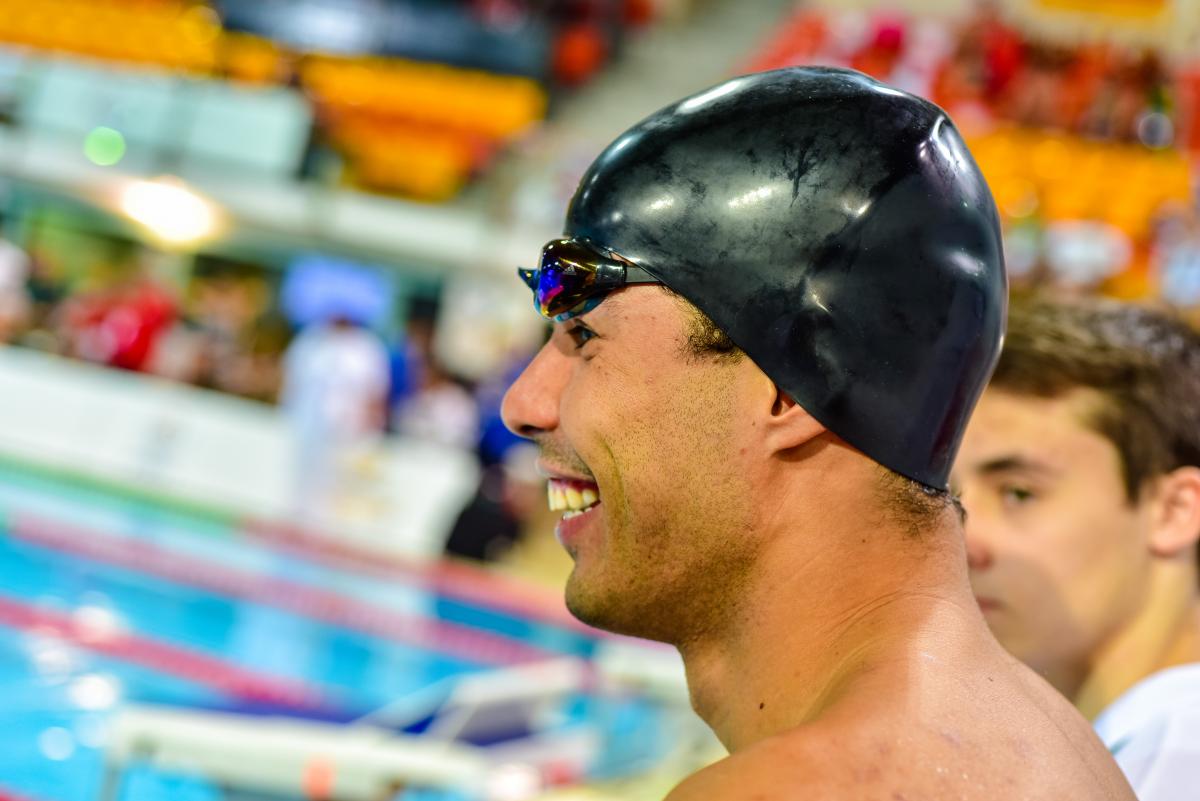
(813, 761)
(763, 773)
(873, 754)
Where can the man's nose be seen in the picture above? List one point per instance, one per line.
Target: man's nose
(979, 551)
(531, 404)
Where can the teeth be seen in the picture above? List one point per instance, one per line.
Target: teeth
(556, 497)
(564, 497)
(574, 499)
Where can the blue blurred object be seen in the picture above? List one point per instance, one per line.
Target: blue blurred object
(516, 43)
(333, 26)
(495, 439)
(407, 366)
(318, 288)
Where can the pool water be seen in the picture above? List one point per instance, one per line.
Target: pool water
(109, 599)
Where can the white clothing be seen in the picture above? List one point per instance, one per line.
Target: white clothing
(14, 271)
(1153, 731)
(446, 413)
(14, 267)
(335, 381)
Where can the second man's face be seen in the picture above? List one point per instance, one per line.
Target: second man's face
(1058, 554)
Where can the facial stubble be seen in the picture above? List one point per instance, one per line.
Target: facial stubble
(675, 561)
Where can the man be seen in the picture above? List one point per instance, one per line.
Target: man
(334, 394)
(1080, 472)
(776, 303)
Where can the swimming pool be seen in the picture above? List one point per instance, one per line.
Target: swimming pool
(110, 600)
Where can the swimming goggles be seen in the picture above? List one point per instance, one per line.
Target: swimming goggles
(575, 275)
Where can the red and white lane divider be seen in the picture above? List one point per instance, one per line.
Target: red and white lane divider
(8, 795)
(184, 663)
(435, 635)
(459, 580)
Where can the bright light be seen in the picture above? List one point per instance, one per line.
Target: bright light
(97, 624)
(664, 202)
(52, 658)
(104, 146)
(56, 744)
(94, 692)
(170, 210)
(514, 782)
(1155, 130)
(753, 196)
(716, 93)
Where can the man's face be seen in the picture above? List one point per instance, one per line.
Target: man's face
(623, 414)
(1059, 557)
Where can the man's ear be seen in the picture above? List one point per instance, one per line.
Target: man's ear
(1176, 521)
(788, 424)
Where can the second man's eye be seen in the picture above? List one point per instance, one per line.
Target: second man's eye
(1016, 496)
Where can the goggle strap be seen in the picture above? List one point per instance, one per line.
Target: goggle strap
(636, 275)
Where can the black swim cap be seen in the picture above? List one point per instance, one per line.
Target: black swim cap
(838, 231)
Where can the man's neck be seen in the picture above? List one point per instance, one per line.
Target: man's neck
(1165, 633)
(812, 625)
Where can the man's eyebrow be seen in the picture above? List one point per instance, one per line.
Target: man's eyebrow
(1014, 463)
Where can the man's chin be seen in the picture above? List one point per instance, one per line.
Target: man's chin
(609, 611)
(582, 602)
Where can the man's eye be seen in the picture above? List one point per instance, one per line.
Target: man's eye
(1016, 496)
(580, 335)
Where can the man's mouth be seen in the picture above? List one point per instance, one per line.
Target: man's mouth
(571, 496)
(987, 604)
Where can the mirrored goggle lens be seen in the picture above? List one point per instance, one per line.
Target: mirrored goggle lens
(569, 276)
(574, 276)
(566, 279)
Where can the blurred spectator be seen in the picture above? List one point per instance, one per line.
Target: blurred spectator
(1083, 253)
(983, 69)
(1083, 139)
(182, 354)
(491, 521)
(1038, 103)
(46, 291)
(335, 383)
(15, 307)
(120, 321)
(224, 340)
(406, 364)
(1177, 255)
(254, 367)
(441, 409)
(508, 521)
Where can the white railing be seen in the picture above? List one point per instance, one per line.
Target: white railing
(215, 450)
